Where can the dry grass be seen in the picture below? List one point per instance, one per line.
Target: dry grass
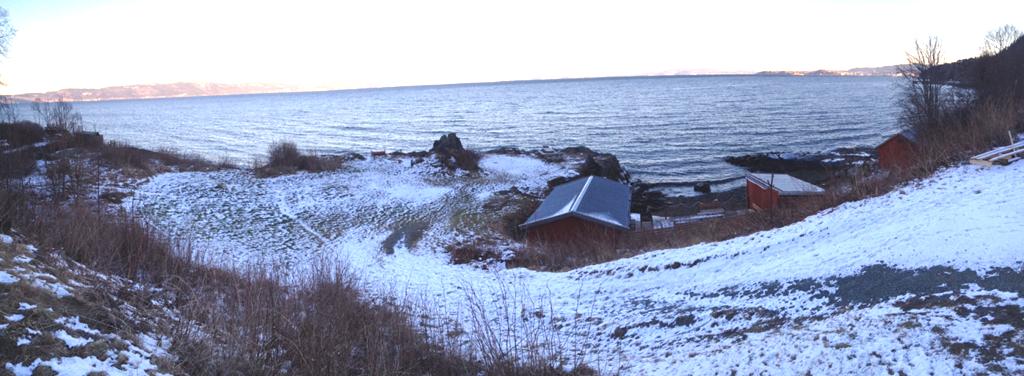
(145, 162)
(965, 132)
(284, 158)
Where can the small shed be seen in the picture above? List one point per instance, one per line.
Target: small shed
(898, 151)
(766, 191)
(587, 209)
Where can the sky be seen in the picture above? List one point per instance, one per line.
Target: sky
(349, 44)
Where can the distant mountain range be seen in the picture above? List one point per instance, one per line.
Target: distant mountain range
(182, 89)
(886, 71)
(189, 89)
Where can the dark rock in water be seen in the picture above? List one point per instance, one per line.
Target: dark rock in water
(578, 150)
(646, 200)
(774, 163)
(812, 167)
(702, 187)
(604, 165)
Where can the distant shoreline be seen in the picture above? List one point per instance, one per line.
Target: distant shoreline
(55, 95)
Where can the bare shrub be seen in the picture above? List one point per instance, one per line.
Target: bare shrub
(21, 133)
(923, 100)
(512, 333)
(284, 154)
(14, 203)
(17, 164)
(58, 116)
(67, 177)
(8, 112)
(999, 39)
(114, 243)
(284, 158)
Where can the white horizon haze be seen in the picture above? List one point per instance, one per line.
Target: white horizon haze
(340, 45)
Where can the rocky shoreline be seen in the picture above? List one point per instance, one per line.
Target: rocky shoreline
(654, 197)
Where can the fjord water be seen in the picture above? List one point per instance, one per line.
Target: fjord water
(661, 128)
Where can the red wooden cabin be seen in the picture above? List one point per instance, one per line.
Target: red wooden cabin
(591, 209)
(898, 151)
(767, 191)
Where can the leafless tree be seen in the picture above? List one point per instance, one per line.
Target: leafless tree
(8, 112)
(6, 33)
(923, 93)
(58, 115)
(998, 39)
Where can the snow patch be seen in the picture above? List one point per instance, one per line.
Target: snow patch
(70, 340)
(6, 278)
(74, 323)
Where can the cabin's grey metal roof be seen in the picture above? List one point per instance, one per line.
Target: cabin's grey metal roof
(786, 185)
(909, 134)
(593, 198)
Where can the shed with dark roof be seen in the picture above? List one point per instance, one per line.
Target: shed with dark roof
(591, 208)
(898, 151)
(767, 191)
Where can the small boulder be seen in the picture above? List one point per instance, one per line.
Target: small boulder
(604, 165)
(702, 187)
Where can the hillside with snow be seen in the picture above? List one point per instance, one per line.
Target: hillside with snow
(59, 317)
(925, 279)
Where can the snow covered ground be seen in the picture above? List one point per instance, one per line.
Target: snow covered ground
(924, 280)
(41, 296)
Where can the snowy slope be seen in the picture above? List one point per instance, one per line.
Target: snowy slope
(55, 317)
(925, 279)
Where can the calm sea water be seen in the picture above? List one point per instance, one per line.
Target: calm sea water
(662, 129)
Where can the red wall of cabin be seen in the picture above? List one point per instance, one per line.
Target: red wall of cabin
(895, 152)
(761, 198)
(571, 230)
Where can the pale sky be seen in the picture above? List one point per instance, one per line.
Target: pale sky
(347, 44)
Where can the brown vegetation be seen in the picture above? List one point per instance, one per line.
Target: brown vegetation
(22, 133)
(142, 162)
(284, 158)
(17, 164)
